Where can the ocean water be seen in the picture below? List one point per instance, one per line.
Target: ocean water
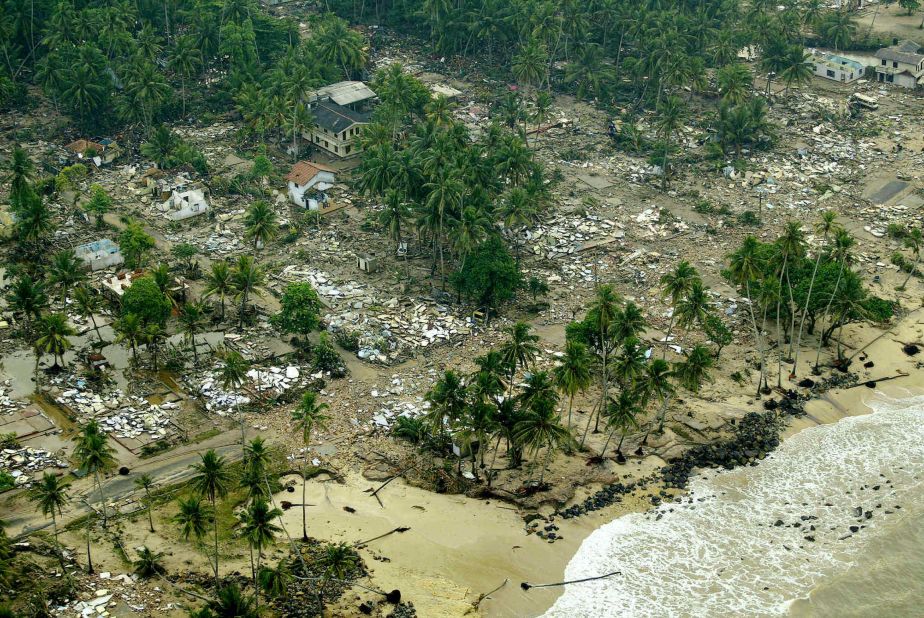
(721, 552)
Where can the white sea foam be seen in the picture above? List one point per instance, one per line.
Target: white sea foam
(719, 553)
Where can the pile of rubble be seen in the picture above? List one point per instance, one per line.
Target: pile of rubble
(118, 414)
(568, 234)
(24, 464)
(109, 595)
(271, 380)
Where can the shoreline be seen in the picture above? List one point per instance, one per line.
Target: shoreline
(459, 548)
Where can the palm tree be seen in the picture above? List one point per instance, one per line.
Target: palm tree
(572, 375)
(184, 61)
(447, 403)
(148, 563)
(693, 371)
(219, 282)
(129, 330)
(843, 243)
(797, 67)
(826, 226)
(838, 28)
(193, 518)
(50, 494)
(915, 242)
(66, 271)
(518, 212)
(95, 456)
(394, 214)
(233, 373)
(694, 308)
(735, 82)
(212, 481)
(87, 303)
(337, 561)
(308, 415)
(53, 336)
(232, 603)
(621, 415)
(256, 459)
(261, 224)
(671, 115)
(744, 267)
(791, 246)
(630, 364)
(191, 318)
(153, 337)
(20, 172)
(342, 47)
(258, 529)
(275, 582)
(657, 383)
(540, 428)
(529, 64)
(676, 285)
(27, 297)
(146, 482)
(247, 279)
(519, 350)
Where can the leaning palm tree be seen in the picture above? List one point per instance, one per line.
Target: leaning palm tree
(675, 285)
(258, 529)
(520, 350)
(27, 297)
(50, 494)
(129, 330)
(232, 603)
(53, 336)
(212, 480)
(694, 369)
(826, 226)
(66, 271)
(146, 482)
(87, 304)
(791, 247)
(219, 283)
(95, 456)
(841, 253)
(603, 310)
(233, 374)
(260, 223)
(148, 563)
(572, 375)
(308, 415)
(657, 384)
(540, 428)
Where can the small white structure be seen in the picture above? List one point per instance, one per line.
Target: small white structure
(185, 204)
(836, 68)
(308, 183)
(99, 254)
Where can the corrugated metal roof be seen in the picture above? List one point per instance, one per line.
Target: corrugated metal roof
(344, 93)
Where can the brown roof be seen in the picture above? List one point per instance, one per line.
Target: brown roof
(81, 146)
(303, 171)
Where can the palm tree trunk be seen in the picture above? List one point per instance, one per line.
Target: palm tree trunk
(757, 335)
(821, 339)
(545, 463)
(570, 406)
(215, 528)
(912, 271)
(147, 497)
(96, 327)
(667, 336)
(102, 499)
(89, 557)
(304, 505)
(808, 299)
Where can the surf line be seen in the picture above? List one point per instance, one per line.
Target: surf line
(527, 585)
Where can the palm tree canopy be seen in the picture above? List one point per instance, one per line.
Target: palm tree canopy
(212, 478)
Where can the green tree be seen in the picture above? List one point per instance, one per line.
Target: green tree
(161, 145)
(675, 286)
(87, 304)
(746, 267)
(145, 482)
(135, 244)
(185, 252)
(191, 320)
(300, 311)
(540, 428)
(341, 46)
(910, 5)
(148, 563)
(212, 480)
(670, 118)
(489, 277)
(258, 529)
(66, 271)
(308, 415)
(27, 297)
(519, 351)
(50, 495)
(130, 330)
(145, 300)
(219, 282)
(572, 374)
(54, 331)
(735, 82)
(193, 518)
(232, 603)
(621, 415)
(260, 223)
(99, 204)
(797, 67)
(826, 226)
(95, 456)
(247, 279)
(20, 172)
(184, 62)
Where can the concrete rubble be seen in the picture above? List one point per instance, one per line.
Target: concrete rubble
(24, 464)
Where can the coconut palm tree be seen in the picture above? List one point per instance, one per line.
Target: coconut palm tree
(233, 374)
(630, 364)
(529, 64)
(184, 61)
(676, 285)
(27, 297)
(342, 47)
(275, 581)
(621, 415)
(87, 304)
(247, 279)
(915, 242)
(540, 428)
(338, 561)
(694, 370)
(145, 482)
(66, 271)
(519, 351)
(447, 401)
(694, 307)
(657, 384)
(826, 226)
(572, 374)
(153, 337)
(671, 115)
(394, 215)
(129, 330)
(53, 336)
(603, 310)
(841, 253)
(191, 319)
(95, 456)
(258, 529)
(735, 82)
(220, 283)
(260, 223)
(148, 563)
(50, 494)
(308, 415)
(518, 212)
(20, 172)
(791, 247)
(212, 480)
(232, 603)
(256, 459)
(797, 67)
(745, 266)
(628, 323)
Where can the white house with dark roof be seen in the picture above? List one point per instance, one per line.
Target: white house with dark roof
(902, 65)
(340, 111)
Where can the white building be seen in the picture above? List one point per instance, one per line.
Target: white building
(836, 68)
(341, 111)
(99, 254)
(901, 65)
(185, 204)
(308, 184)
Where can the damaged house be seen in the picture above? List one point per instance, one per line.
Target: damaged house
(836, 68)
(901, 65)
(341, 111)
(308, 183)
(99, 254)
(184, 202)
(99, 151)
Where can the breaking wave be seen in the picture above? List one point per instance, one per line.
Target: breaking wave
(756, 540)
